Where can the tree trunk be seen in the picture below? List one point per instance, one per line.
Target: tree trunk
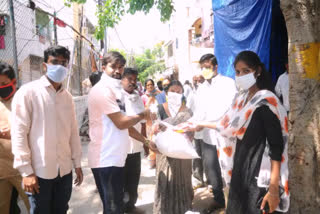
(303, 24)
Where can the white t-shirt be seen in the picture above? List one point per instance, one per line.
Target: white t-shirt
(187, 90)
(212, 102)
(134, 105)
(189, 96)
(109, 145)
(198, 107)
(282, 89)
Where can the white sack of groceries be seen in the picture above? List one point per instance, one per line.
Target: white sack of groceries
(175, 145)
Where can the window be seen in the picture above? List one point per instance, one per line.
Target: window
(43, 29)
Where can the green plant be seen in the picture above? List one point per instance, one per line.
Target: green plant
(148, 63)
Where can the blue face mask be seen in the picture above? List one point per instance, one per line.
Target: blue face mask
(56, 73)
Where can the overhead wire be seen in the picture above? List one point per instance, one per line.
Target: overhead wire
(29, 41)
(50, 19)
(44, 4)
(26, 27)
(115, 29)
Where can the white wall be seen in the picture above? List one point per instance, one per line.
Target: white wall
(182, 22)
(81, 104)
(27, 42)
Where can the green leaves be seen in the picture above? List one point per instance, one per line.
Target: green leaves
(150, 62)
(111, 11)
(109, 14)
(140, 5)
(69, 2)
(166, 8)
(157, 67)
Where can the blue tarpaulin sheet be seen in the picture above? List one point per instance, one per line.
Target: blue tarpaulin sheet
(241, 25)
(217, 4)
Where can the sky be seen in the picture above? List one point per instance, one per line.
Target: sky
(138, 32)
(134, 32)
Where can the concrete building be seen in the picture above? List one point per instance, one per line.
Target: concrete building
(190, 36)
(35, 33)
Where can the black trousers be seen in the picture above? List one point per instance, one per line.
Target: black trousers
(132, 172)
(53, 197)
(197, 164)
(109, 181)
(14, 208)
(212, 170)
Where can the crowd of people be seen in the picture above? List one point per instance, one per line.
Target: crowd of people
(239, 128)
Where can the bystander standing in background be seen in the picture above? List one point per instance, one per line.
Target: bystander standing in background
(45, 136)
(10, 178)
(282, 88)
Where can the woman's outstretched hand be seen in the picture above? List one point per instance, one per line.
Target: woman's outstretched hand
(188, 127)
(157, 127)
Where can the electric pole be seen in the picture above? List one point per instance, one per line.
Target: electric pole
(55, 28)
(14, 41)
(80, 51)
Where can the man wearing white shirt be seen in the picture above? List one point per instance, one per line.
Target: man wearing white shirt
(45, 137)
(197, 80)
(215, 96)
(110, 129)
(134, 105)
(282, 89)
(197, 164)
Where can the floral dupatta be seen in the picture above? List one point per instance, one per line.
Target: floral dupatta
(234, 124)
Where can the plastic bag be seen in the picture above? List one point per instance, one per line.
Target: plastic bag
(175, 145)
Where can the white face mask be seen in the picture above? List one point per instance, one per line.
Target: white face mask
(56, 73)
(246, 81)
(174, 103)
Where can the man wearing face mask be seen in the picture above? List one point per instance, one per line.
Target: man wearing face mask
(10, 179)
(110, 129)
(45, 136)
(214, 97)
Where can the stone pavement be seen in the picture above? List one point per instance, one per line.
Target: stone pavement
(85, 199)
